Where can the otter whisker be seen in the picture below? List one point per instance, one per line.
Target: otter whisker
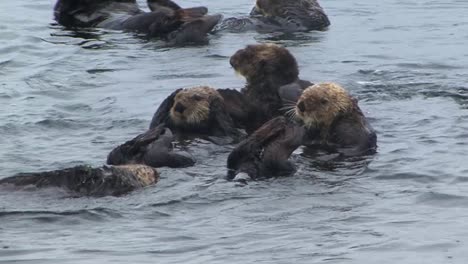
(287, 101)
(287, 107)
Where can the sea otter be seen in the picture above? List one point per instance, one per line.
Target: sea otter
(279, 15)
(294, 15)
(166, 20)
(88, 181)
(334, 121)
(265, 153)
(196, 112)
(267, 68)
(153, 148)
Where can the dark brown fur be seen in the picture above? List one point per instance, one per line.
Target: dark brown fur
(166, 21)
(153, 148)
(265, 153)
(88, 181)
(266, 68)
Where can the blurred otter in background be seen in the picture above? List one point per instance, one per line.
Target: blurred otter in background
(279, 15)
(166, 20)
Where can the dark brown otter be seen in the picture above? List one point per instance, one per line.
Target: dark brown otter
(196, 112)
(334, 121)
(266, 67)
(265, 153)
(294, 15)
(166, 21)
(88, 181)
(279, 16)
(153, 148)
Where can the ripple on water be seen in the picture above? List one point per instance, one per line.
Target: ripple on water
(440, 199)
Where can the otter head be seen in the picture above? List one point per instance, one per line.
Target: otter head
(320, 104)
(192, 106)
(258, 63)
(145, 175)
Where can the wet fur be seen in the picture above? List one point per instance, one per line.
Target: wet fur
(204, 115)
(265, 153)
(152, 148)
(294, 15)
(88, 181)
(166, 21)
(266, 68)
(334, 120)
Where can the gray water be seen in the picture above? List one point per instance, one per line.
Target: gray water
(68, 98)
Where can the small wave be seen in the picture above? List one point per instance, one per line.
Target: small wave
(408, 176)
(443, 199)
(61, 123)
(96, 214)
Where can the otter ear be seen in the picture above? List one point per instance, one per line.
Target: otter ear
(162, 113)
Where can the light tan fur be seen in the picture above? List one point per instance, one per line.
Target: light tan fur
(197, 101)
(144, 174)
(323, 102)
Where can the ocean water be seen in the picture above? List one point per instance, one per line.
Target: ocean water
(68, 98)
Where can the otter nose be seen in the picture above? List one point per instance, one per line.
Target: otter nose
(301, 106)
(180, 108)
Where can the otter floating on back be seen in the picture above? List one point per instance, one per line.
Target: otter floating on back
(88, 181)
(166, 20)
(280, 15)
(196, 112)
(334, 121)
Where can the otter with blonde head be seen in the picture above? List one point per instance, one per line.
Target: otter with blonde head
(198, 111)
(334, 120)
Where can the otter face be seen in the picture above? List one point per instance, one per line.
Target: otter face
(259, 61)
(192, 106)
(320, 104)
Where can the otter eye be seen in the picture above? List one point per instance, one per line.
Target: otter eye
(197, 97)
(301, 106)
(323, 101)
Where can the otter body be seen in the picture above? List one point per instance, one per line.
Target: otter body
(266, 68)
(88, 181)
(265, 153)
(279, 15)
(166, 20)
(196, 112)
(153, 148)
(334, 121)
